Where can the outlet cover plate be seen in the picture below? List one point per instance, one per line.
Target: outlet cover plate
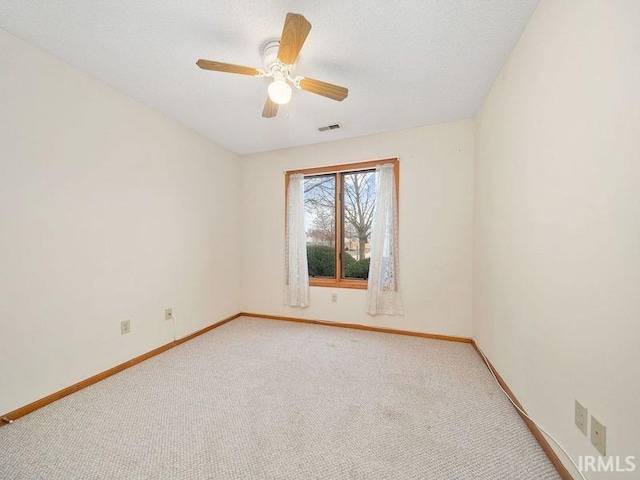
(125, 327)
(581, 418)
(598, 435)
(168, 313)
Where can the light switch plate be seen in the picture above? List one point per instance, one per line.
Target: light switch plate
(598, 435)
(581, 418)
(125, 327)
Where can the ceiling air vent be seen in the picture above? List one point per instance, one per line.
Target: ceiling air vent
(335, 126)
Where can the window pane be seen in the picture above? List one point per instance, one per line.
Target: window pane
(320, 224)
(359, 193)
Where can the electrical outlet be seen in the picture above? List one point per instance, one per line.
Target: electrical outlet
(125, 327)
(598, 435)
(581, 418)
(334, 298)
(168, 313)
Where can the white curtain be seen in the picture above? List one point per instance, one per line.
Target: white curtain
(383, 292)
(296, 282)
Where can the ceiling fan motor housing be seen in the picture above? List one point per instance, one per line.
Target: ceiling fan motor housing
(270, 54)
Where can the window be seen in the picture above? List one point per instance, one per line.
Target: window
(339, 204)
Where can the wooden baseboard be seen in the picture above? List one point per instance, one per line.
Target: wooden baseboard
(360, 327)
(22, 411)
(539, 436)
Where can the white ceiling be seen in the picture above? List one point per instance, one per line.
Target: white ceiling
(406, 63)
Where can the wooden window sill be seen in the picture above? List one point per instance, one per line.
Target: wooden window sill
(332, 282)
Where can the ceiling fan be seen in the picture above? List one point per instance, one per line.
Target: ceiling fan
(279, 58)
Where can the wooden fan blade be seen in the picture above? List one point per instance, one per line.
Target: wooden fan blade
(294, 33)
(226, 67)
(270, 109)
(325, 89)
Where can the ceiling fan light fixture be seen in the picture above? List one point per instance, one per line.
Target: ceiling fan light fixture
(279, 92)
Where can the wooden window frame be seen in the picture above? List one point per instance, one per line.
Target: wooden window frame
(338, 281)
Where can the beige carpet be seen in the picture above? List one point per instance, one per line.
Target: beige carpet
(263, 399)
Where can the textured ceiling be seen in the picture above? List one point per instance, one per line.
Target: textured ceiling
(406, 63)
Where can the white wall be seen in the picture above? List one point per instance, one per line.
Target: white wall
(108, 211)
(557, 221)
(436, 175)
